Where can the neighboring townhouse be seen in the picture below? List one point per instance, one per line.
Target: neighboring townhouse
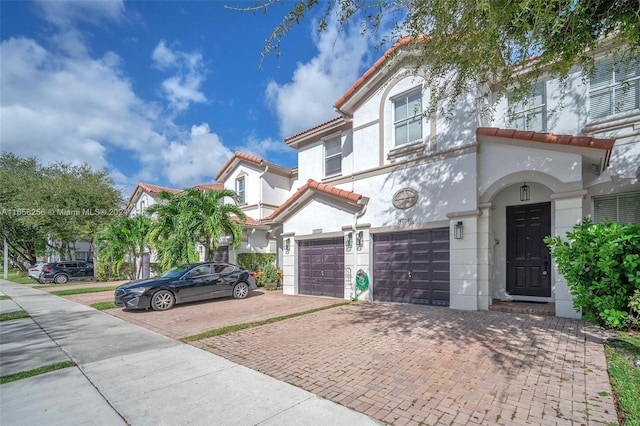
(261, 187)
(449, 211)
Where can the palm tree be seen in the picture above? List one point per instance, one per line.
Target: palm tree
(191, 217)
(125, 238)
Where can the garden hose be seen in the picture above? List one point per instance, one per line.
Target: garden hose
(362, 283)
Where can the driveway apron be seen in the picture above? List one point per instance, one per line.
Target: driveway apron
(406, 364)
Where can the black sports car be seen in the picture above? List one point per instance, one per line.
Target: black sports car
(187, 283)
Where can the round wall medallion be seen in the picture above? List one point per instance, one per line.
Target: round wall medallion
(405, 198)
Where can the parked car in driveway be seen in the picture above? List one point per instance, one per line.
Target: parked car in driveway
(66, 270)
(187, 283)
(35, 270)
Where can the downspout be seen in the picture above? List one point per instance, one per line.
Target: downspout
(356, 216)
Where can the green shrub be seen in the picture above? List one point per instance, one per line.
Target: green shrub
(255, 261)
(106, 272)
(601, 264)
(270, 278)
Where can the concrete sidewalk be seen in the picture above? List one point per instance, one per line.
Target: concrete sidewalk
(126, 374)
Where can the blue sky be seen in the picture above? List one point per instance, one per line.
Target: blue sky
(164, 91)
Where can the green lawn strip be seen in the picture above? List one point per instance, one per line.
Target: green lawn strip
(237, 327)
(624, 376)
(3, 297)
(71, 283)
(101, 306)
(36, 371)
(13, 315)
(72, 291)
(19, 279)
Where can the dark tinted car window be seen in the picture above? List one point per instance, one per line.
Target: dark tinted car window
(176, 272)
(223, 268)
(200, 271)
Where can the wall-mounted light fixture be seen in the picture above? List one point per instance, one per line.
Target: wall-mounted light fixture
(359, 240)
(525, 192)
(457, 230)
(348, 241)
(287, 245)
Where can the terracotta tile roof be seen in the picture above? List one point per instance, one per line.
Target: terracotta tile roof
(583, 141)
(154, 189)
(214, 186)
(403, 41)
(317, 186)
(288, 138)
(249, 221)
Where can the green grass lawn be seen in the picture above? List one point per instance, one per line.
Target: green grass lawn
(73, 291)
(18, 278)
(624, 376)
(101, 306)
(13, 315)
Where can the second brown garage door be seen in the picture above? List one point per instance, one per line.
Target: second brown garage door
(412, 267)
(321, 267)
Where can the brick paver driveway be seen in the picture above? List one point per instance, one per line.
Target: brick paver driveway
(408, 364)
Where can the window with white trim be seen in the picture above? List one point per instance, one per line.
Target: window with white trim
(333, 157)
(407, 118)
(622, 208)
(529, 112)
(615, 89)
(240, 190)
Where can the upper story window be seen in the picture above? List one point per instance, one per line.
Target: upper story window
(622, 208)
(407, 118)
(240, 190)
(529, 112)
(142, 207)
(614, 89)
(332, 157)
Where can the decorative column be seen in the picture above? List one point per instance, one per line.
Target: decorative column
(463, 260)
(485, 262)
(289, 270)
(568, 212)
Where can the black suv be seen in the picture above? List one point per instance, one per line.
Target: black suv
(66, 270)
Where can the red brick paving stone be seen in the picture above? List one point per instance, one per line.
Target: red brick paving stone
(436, 366)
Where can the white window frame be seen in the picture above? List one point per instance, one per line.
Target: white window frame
(410, 117)
(520, 112)
(625, 207)
(616, 90)
(333, 141)
(242, 193)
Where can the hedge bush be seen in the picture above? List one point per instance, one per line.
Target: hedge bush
(601, 264)
(255, 261)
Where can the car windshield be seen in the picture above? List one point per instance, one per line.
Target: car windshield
(176, 272)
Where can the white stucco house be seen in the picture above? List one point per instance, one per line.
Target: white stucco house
(448, 211)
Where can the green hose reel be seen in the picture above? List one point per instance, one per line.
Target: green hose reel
(362, 283)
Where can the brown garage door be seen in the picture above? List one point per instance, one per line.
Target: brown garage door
(321, 267)
(412, 267)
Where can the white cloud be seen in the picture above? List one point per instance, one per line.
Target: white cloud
(184, 87)
(200, 155)
(307, 100)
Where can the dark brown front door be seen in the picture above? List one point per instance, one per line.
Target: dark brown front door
(321, 267)
(528, 265)
(412, 267)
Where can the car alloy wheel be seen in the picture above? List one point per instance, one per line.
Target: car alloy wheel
(241, 290)
(60, 279)
(162, 300)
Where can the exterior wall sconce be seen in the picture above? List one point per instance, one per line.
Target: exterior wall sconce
(525, 192)
(457, 230)
(348, 241)
(287, 245)
(359, 238)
